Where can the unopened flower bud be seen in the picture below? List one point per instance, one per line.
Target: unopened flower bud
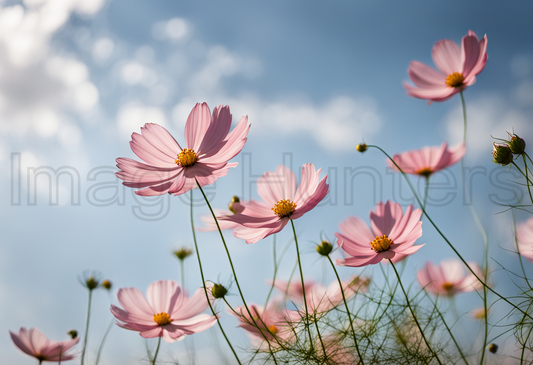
(91, 283)
(106, 284)
(517, 145)
(73, 333)
(361, 147)
(502, 154)
(183, 253)
(493, 348)
(235, 199)
(324, 248)
(219, 291)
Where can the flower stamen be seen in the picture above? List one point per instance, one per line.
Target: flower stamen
(162, 318)
(455, 80)
(426, 172)
(284, 208)
(382, 243)
(447, 286)
(273, 330)
(186, 158)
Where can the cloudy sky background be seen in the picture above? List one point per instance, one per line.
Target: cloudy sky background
(77, 77)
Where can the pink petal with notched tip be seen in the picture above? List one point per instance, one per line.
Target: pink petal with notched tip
(423, 75)
(151, 154)
(385, 217)
(316, 197)
(191, 307)
(437, 93)
(133, 301)
(197, 125)
(357, 230)
(164, 296)
(360, 260)
(470, 52)
(447, 56)
(34, 343)
(216, 132)
(232, 145)
(160, 137)
(275, 186)
(252, 235)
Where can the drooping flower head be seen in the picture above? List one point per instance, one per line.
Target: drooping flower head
(392, 235)
(428, 160)
(34, 343)
(168, 312)
(448, 278)
(168, 168)
(282, 202)
(457, 68)
(524, 233)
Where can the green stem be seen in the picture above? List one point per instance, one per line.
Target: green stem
(464, 117)
(101, 346)
(156, 350)
(230, 262)
(303, 284)
(426, 193)
(347, 311)
(320, 338)
(86, 327)
(60, 355)
(444, 237)
(527, 178)
(448, 329)
(413, 313)
(203, 283)
(526, 175)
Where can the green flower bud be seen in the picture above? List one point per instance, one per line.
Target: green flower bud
(517, 145)
(493, 348)
(106, 284)
(91, 283)
(361, 147)
(502, 154)
(324, 248)
(219, 291)
(183, 253)
(235, 199)
(73, 333)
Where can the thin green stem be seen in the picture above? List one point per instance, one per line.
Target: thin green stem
(275, 271)
(413, 313)
(203, 283)
(230, 262)
(156, 350)
(60, 356)
(448, 329)
(526, 175)
(464, 117)
(101, 346)
(426, 193)
(86, 327)
(320, 338)
(444, 237)
(182, 274)
(347, 311)
(303, 284)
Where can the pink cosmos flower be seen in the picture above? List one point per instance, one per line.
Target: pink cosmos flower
(318, 298)
(168, 168)
(271, 321)
(524, 233)
(36, 344)
(282, 202)
(448, 278)
(428, 160)
(457, 69)
(391, 237)
(168, 313)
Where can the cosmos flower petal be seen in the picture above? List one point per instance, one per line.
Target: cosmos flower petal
(33, 342)
(447, 56)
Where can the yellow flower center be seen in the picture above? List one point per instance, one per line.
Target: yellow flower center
(426, 171)
(284, 208)
(162, 318)
(455, 80)
(273, 330)
(381, 243)
(447, 286)
(186, 158)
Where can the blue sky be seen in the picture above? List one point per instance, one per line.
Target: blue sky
(315, 78)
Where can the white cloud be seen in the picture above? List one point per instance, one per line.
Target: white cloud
(132, 116)
(39, 89)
